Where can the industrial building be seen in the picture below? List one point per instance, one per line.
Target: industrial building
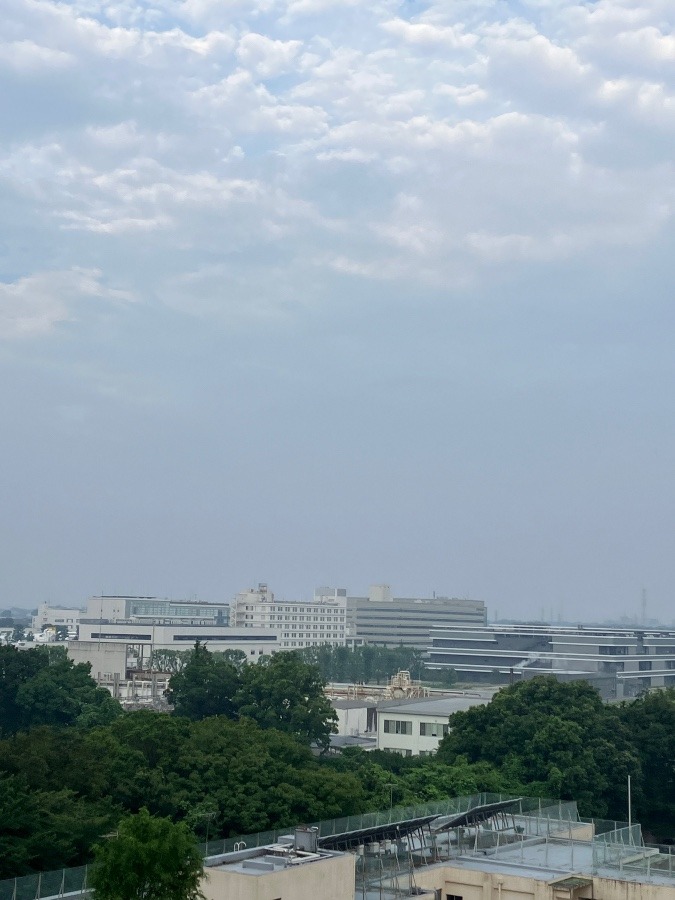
(387, 621)
(292, 868)
(485, 847)
(68, 617)
(118, 635)
(620, 662)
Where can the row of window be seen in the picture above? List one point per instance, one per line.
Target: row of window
(397, 726)
(299, 643)
(295, 609)
(252, 617)
(427, 729)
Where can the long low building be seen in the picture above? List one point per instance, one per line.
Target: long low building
(142, 639)
(623, 662)
(119, 634)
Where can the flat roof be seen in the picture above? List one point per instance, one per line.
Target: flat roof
(443, 706)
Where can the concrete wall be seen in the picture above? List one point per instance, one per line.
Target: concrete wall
(330, 879)
(476, 885)
(352, 720)
(107, 658)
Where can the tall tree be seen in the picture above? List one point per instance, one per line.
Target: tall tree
(651, 723)
(284, 692)
(206, 686)
(148, 859)
(555, 739)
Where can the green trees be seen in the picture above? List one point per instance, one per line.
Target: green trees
(205, 686)
(285, 693)
(43, 687)
(280, 691)
(551, 739)
(650, 720)
(367, 663)
(148, 859)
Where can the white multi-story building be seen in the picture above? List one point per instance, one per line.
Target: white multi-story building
(416, 727)
(298, 623)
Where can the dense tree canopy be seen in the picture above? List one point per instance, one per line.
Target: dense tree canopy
(555, 739)
(205, 686)
(42, 686)
(280, 691)
(364, 664)
(650, 721)
(285, 693)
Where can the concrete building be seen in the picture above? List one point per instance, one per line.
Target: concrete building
(294, 868)
(481, 847)
(416, 727)
(388, 621)
(299, 623)
(142, 638)
(119, 608)
(621, 662)
(68, 617)
(119, 634)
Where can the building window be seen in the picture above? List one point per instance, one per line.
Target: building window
(397, 726)
(433, 729)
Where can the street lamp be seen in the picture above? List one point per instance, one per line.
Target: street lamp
(391, 785)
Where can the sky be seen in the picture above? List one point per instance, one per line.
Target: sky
(339, 292)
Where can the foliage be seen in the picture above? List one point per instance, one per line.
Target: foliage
(285, 693)
(171, 661)
(46, 829)
(43, 687)
(254, 771)
(280, 691)
(205, 686)
(148, 859)
(650, 720)
(553, 739)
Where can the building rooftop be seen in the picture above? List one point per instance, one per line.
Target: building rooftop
(441, 706)
(265, 860)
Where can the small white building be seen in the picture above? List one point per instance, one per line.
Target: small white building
(68, 617)
(416, 727)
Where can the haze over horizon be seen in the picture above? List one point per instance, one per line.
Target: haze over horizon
(333, 292)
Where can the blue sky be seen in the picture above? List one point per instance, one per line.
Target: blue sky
(334, 292)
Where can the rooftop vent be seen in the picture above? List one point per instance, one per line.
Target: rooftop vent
(306, 838)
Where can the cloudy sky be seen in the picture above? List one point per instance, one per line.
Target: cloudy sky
(339, 292)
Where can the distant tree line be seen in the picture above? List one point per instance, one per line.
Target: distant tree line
(369, 664)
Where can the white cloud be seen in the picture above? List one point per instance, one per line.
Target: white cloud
(26, 56)
(36, 304)
(266, 57)
(425, 34)
(186, 133)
